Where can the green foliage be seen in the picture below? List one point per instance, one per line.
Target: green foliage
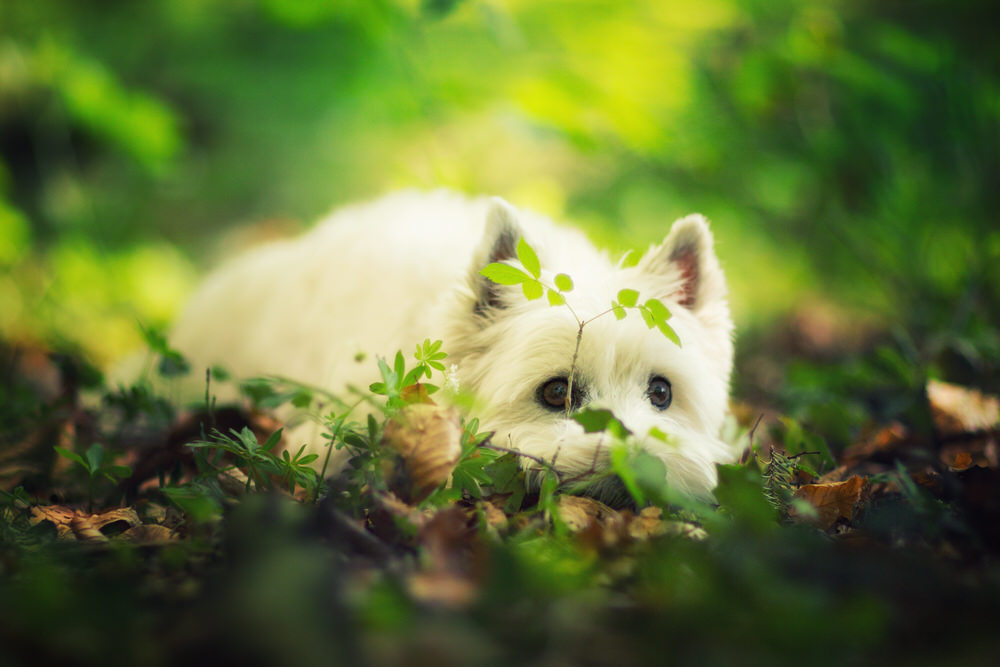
(171, 362)
(394, 380)
(94, 464)
(653, 312)
(261, 464)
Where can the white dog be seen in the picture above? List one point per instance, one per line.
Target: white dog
(381, 276)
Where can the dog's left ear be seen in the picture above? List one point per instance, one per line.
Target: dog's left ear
(499, 244)
(686, 265)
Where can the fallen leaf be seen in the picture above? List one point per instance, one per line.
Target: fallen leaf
(416, 393)
(429, 439)
(883, 444)
(442, 589)
(85, 530)
(494, 517)
(648, 523)
(956, 409)
(961, 461)
(149, 534)
(71, 523)
(455, 560)
(834, 500)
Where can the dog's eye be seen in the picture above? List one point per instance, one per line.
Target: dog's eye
(659, 392)
(552, 394)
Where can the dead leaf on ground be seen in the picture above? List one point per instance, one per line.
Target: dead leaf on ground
(578, 512)
(149, 534)
(73, 524)
(456, 560)
(429, 438)
(956, 409)
(883, 444)
(494, 517)
(834, 500)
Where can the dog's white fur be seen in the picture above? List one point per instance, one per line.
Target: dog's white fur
(381, 276)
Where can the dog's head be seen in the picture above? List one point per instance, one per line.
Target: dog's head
(516, 355)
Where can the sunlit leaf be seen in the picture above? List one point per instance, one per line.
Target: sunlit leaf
(504, 274)
(528, 258)
(628, 297)
(656, 308)
(532, 289)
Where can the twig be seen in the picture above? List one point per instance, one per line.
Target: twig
(489, 445)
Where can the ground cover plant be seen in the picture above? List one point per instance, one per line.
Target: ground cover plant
(151, 534)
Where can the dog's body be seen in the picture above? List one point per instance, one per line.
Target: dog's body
(383, 276)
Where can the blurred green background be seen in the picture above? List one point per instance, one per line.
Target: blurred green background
(847, 152)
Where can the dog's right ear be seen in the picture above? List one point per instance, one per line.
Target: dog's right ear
(499, 244)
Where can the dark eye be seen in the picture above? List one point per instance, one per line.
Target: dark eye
(659, 392)
(552, 394)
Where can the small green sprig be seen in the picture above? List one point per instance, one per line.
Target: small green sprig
(653, 312)
(95, 465)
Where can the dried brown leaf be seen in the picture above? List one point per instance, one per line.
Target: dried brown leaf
(881, 444)
(149, 534)
(429, 439)
(834, 500)
(956, 409)
(494, 516)
(85, 530)
(648, 523)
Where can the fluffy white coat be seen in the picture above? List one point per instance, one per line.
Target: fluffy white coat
(381, 276)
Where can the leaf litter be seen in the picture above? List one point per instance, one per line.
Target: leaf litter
(408, 521)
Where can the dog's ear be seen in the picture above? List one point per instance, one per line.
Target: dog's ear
(499, 244)
(687, 266)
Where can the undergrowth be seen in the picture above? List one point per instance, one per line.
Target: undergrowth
(154, 533)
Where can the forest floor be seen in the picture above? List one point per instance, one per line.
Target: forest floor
(136, 532)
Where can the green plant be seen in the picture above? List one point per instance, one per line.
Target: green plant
(260, 463)
(93, 462)
(652, 311)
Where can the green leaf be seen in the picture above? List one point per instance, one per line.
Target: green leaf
(595, 421)
(504, 274)
(647, 317)
(630, 258)
(302, 398)
(172, 364)
(555, 298)
(628, 297)
(563, 282)
(618, 311)
(657, 434)
(72, 456)
(740, 492)
(620, 466)
(669, 332)
(532, 289)
(272, 440)
(528, 258)
(199, 503)
(95, 456)
(656, 308)
(399, 364)
(120, 472)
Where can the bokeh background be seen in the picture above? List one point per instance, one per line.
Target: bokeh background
(847, 152)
